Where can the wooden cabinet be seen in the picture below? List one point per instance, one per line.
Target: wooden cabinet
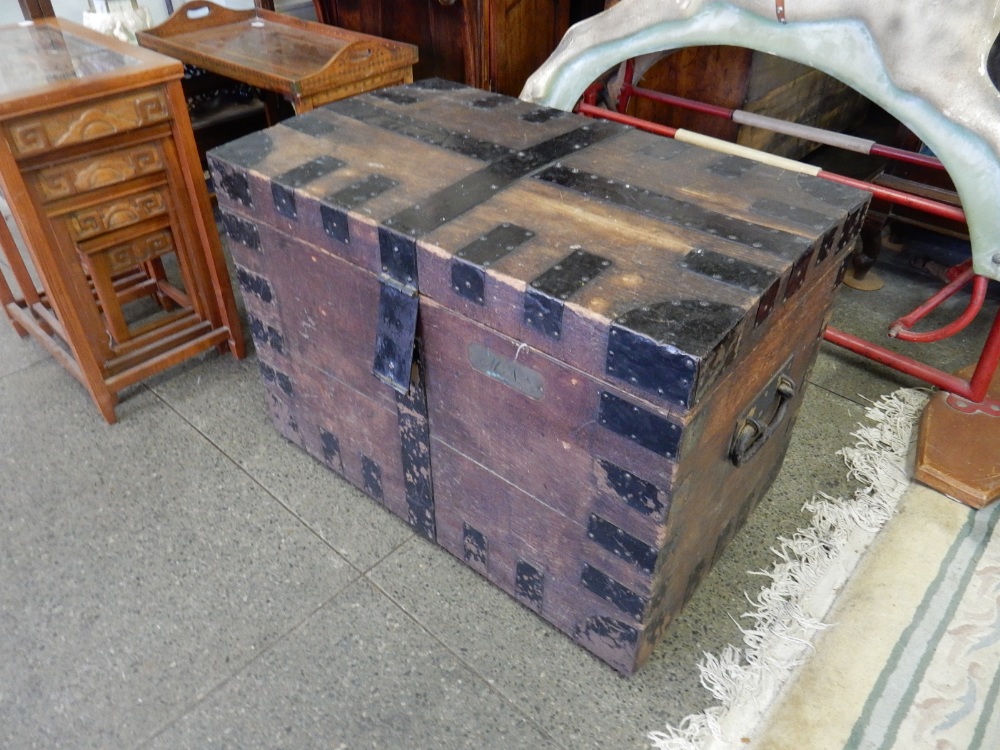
(489, 44)
(122, 273)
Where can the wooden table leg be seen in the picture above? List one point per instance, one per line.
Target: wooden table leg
(958, 452)
(9, 248)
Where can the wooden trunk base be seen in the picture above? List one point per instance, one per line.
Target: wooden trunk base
(957, 452)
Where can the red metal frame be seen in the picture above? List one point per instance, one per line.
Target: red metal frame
(974, 389)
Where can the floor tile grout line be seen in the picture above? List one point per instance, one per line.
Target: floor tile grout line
(190, 708)
(857, 400)
(491, 686)
(256, 481)
(46, 357)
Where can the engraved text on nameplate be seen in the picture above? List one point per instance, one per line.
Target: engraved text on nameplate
(507, 371)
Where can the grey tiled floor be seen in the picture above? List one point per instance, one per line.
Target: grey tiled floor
(187, 579)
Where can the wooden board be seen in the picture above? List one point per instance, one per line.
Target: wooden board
(492, 45)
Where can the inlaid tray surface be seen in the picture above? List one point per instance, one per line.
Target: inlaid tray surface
(34, 56)
(271, 50)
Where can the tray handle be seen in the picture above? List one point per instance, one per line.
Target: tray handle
(199, 14)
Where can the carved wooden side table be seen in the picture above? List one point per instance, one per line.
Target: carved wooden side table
(122, 275)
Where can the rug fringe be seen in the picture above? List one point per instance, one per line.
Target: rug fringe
(809, 570)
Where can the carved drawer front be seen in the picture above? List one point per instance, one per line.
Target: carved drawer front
(93, 172)
(106, 262)
(65, 127)
(118, 213)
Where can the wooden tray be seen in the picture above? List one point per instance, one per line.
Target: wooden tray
(299, 59)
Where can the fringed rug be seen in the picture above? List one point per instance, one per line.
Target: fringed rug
(905, 656)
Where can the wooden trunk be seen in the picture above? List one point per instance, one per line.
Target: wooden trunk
(588, 343)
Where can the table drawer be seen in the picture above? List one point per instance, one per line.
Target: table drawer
(111, 259)
(118, 212)
(43, 132)
(99, 171)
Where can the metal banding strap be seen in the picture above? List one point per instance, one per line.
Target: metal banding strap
(651, 431)
(545, 296)
(398, 305)
(311, 123)
(475, 548)
(621, 544)
(492, 101)
(334, 207)
(529, 584)
(254, 284)
(265, 334)
(739, 273)
(242, 231)
(729, 270)
(606, 587)
(675, 348)
(478, 187)
(358, 108)
(283, 186)
(542, 115)
(330, 445)
(371, 474)
(276, 377)
(415, 441)
(677, 212)
(635, 492)
(395, 96)
(395, 335)
(468, 278)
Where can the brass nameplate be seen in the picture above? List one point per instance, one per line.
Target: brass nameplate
(512, 374)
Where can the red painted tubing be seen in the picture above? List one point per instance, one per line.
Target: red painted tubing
(901, 328)
(936, 208)
(943, 380)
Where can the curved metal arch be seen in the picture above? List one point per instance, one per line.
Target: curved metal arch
(844, 49)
